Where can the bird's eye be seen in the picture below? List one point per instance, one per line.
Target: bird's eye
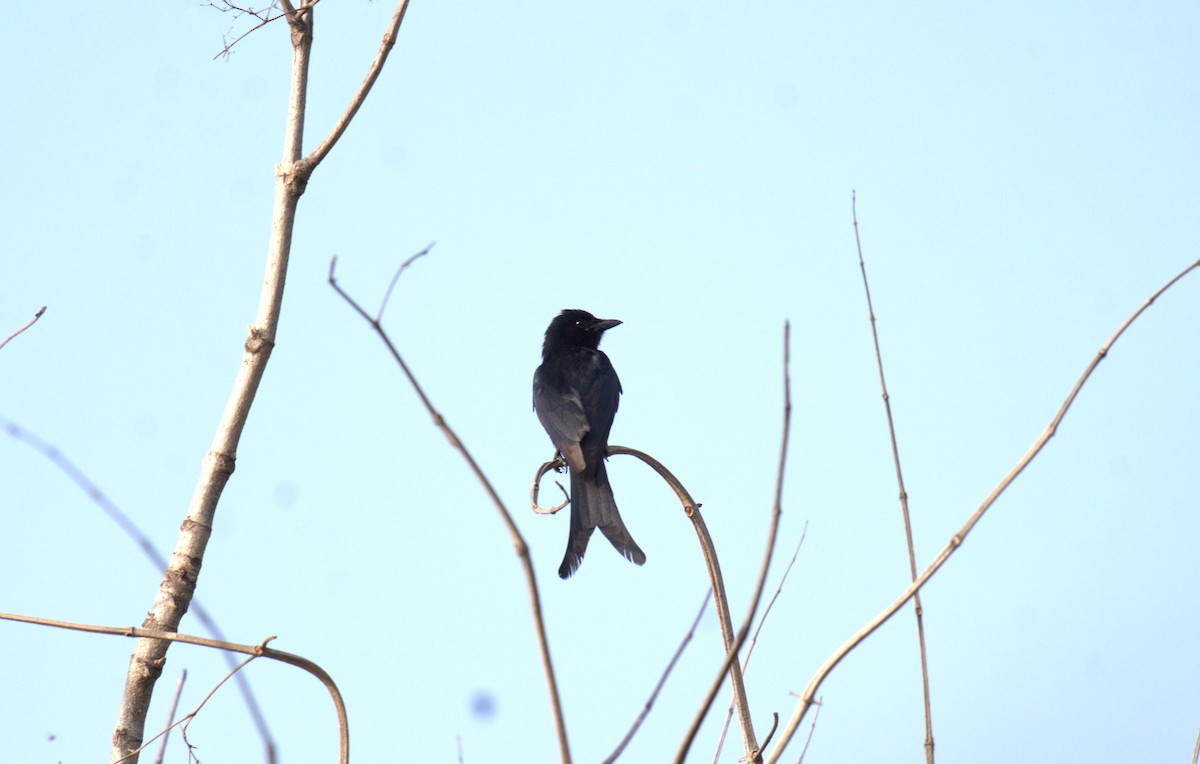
(579, 324)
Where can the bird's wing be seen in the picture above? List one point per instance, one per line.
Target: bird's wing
(561, 413)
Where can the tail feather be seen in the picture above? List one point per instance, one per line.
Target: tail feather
(594, 506)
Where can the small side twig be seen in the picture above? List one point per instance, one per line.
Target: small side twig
(807, 697)
(908, 534)
(187, 719)
(31, 322)
(637, 723)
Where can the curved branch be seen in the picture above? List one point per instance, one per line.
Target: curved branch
(259, 650)
(692, 509)
(807, 698)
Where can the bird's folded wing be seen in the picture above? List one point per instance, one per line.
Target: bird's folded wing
(563, 417)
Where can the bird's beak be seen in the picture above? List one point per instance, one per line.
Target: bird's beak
(604, 325)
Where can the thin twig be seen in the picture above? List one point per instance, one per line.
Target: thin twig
(32, 321)
(908, 535)
(387, 294)
(522, 548)
(806, 699)
(162, 749)
(143, 542)
(754, 638)
(811, 729)
(753, 750)
(264, 17)
(1196, 750)
(186, 721)
(661, 681)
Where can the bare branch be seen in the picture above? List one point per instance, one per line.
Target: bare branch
(179, 582)
(259, 650)
(150, 551)
(637, 723)
(908, 536)
(806, 699)
(32, 321)
(522, 548)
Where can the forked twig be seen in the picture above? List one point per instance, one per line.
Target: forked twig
(908, 535)
(522, 548)
(187, 719)
(637, 723)
(806, 699)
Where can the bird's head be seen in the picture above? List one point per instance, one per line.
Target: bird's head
(579, 328)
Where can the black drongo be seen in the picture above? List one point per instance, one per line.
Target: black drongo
(575, 394)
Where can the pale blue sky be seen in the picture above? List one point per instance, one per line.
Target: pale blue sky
(1027, 175)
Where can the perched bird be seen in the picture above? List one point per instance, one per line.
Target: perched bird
(575, 394)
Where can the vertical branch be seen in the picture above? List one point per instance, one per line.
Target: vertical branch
(908, 536)
(291, 177)
(179, 581)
